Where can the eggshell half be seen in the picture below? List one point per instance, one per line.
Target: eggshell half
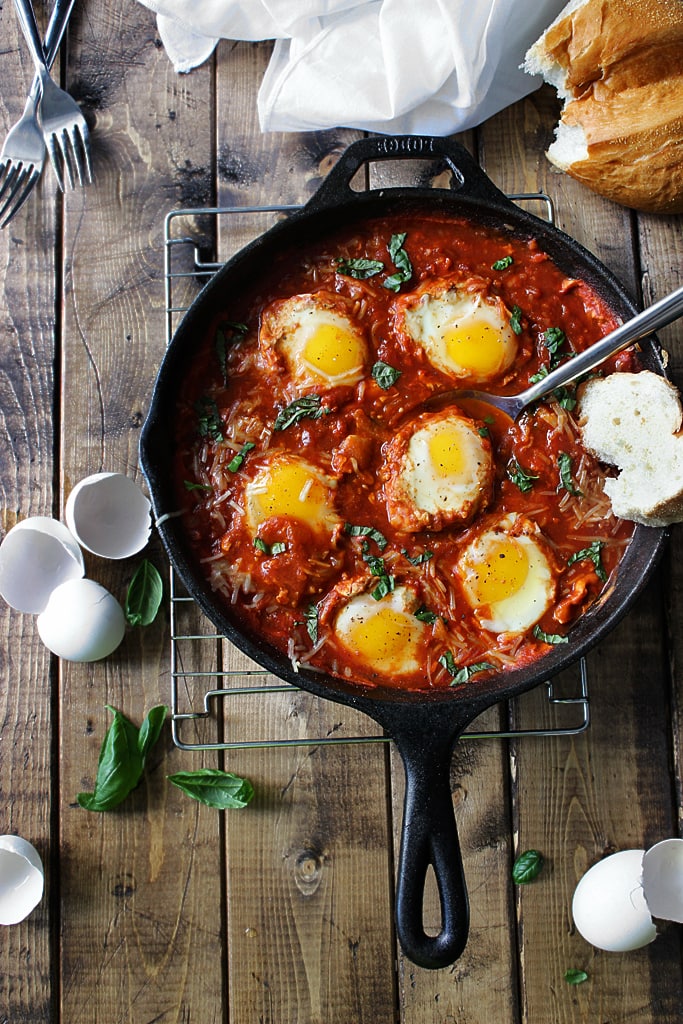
(82, 621)
(37, 555)
(663, 880)
(21, 879)
(109, 515)
(609, 907)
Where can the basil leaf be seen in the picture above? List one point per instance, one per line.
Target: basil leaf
(367, 531)
(209, 422)
(503, 263)
(574, 976)
(463, 674)
(593, 554)
(553, 339)
(385, 586)
(190, 486)
(215, 788)
(122, 759)
(385, 375)
(404, 269)
(360, 268)
(224, 334)
(311, 619)
(241, 455)
(564, 462)
(519, 476)
(549, 638)
(418, 559)
(527, 867)
(308, 406)
(516, 319)
(423, 614)
(144, 595)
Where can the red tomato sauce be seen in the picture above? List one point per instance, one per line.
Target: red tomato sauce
(290, 585)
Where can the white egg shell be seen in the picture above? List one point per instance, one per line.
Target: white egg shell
(663, 880)
(21, 879)
(609, 907)
(82, 621)
(37, 555)
(109, 515)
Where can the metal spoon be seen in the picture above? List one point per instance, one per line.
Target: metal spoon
(659, 314)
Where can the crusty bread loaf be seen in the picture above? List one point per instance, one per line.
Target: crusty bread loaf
(618, 65)
(633, 421)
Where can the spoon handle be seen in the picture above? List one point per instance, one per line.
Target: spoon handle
(659, 314)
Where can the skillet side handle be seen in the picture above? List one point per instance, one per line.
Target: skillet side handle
(430, 838)
(469, 179)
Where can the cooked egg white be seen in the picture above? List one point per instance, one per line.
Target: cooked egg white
(319, 343)
(384, 635)
(287, 485)
(464, 334)
(443, 474)
(507, 578)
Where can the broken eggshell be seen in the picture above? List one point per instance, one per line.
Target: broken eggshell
(109, 515)
(21, 879)
(36, 556)
(82, 621)
(615, 901)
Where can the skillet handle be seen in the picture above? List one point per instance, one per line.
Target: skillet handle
(430, 838)
(469, 179)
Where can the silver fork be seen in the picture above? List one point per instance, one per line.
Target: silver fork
(23, 153)
(64, 128)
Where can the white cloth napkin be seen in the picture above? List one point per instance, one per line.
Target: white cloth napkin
(393, 66)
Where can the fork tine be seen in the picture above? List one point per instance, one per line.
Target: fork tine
(55, 152)
(74, 153)
(84, 134)
(65, 151)
(12, 171)
(18, 182)
(26, 192)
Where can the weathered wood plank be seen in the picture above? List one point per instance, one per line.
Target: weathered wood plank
(27, 720)
(577, 799)
(141, 919)
(308, 886)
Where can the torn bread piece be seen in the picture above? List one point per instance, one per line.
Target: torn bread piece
(618, 67)
(633, 421)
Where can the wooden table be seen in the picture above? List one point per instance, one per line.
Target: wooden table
(165, 910)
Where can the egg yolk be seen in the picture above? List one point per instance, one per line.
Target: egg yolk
(382, 638)
(476, 347)
(288, 489)
(445, 453)
(501, 574)
(333, 351)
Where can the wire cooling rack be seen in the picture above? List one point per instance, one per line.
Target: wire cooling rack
(213, 687)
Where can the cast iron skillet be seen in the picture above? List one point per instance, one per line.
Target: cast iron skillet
(424, 727)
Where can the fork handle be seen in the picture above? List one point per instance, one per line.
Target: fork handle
(59, 19)
(27, 21)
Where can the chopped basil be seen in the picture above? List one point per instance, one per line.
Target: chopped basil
(385, 586)
(214, 787)
(593, 554)
(144, 595)
(306, 407)
(564, 462)
(503, 263)
(190, 486)
(311, 620)
(404, 269)
(360, 268)
(565, 397)
(366, 531)
(516, 319)
(270, 549)
(418, 559)
(519, 477)
(241, 455)
(553, 339)
(461, 675)
(385, 375)
(527, 867)
(423, 614)
(483, 432)
(209, 422)
(574, 976)
(226, 332)
(549, 638)
(377, 568)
